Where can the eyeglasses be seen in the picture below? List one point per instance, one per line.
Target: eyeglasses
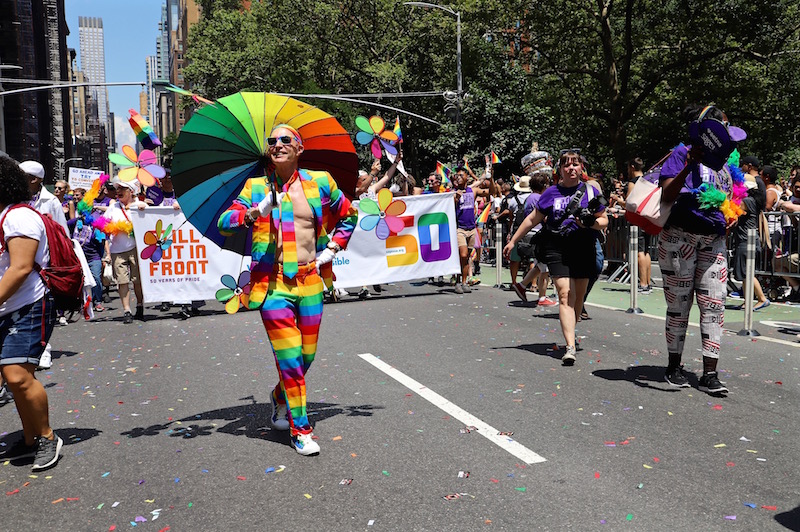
(570, 150)
(120, 190)
(286, 140)
(59, 188)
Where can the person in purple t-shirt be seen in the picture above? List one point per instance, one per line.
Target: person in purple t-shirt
(568, 244)
(692, 254)
(465, 221)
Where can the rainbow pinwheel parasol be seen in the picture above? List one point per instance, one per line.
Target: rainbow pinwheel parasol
(224, 144)
(374, 132)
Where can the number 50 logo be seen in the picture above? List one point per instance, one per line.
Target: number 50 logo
(405, 250)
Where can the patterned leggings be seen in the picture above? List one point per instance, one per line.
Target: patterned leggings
(292, 314)
(693, 265)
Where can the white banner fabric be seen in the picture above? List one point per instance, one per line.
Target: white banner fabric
(189, 267)
(82, 178)
(426, 247)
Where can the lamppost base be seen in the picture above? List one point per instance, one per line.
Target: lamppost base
(634, 310)
(748, 332)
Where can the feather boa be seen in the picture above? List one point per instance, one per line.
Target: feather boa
(109, 228)
(84, 206)
(709, 197)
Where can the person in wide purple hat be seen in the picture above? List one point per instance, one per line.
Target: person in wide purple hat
(692, 252)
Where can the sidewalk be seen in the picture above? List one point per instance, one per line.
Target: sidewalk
(779, 320)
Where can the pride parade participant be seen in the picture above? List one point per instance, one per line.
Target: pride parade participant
(300, 219)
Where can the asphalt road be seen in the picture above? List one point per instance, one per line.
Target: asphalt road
(166, 425)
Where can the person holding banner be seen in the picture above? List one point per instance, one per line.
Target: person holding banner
(571, 213)
(300, 219)
(121, 246)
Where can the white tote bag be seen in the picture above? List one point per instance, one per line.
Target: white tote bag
(644, 206)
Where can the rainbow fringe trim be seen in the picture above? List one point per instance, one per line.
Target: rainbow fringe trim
(109, 228)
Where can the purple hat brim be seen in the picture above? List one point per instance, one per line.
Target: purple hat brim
(737, 134)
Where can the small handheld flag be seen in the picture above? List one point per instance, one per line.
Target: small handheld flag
(495, 158)
(444, 172)
(484, 217)
(144, 132)
(397, 130)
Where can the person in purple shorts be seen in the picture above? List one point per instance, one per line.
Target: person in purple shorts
(571, 213)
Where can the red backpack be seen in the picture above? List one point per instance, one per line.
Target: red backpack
(64, 276)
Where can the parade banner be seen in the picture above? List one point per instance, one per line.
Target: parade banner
(176, 262)
(397, 239)
(82, 178)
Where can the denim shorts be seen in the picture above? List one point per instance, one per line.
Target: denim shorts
(25, 332)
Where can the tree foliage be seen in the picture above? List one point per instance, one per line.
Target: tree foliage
(610, 76)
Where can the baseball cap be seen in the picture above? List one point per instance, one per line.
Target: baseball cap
(132, 185)
(32, 168)
(751, 160)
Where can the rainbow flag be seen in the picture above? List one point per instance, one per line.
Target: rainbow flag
(396, 129)
(482, 219)
(444, 172)
(495, 158)
(144, 133)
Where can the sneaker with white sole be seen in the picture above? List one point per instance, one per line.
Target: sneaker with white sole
(47, 452)
(304, 444)
(675, 377)
(546, 302)
(710, 383)
(5, 396)
(569, 356)
(46, 358)
(280, 415)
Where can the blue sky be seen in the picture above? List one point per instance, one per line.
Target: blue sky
(130, 31)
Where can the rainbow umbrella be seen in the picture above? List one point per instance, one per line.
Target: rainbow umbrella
(224, 144)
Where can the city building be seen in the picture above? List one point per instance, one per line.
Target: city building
(36, 124)
(93, 60)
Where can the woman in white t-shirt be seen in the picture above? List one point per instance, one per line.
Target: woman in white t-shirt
(27, 316)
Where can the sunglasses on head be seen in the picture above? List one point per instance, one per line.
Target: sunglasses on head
(570, 150)
(284, 139)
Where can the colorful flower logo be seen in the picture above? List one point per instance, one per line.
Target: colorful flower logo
(383, 216)
(374, 132)
(234, 293)
(141, 167)
(157, 242)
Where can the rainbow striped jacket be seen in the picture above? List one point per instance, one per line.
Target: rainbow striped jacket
(335, 216)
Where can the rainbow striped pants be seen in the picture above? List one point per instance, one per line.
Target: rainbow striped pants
(292, 313)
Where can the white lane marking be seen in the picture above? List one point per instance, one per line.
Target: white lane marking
(695, 324)
(484, 429)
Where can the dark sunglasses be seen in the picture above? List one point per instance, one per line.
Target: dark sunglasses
(273, 141)
(59, 188)
(570, 150)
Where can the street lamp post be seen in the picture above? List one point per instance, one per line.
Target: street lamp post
(63, 164)
(456, 14)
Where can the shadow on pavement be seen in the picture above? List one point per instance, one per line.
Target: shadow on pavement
(250, 420)
(56, 354)
(545, 350)
(643, 376)
(790, 519)
(70, 436)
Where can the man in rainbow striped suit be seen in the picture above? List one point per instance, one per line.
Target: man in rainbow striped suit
(300, 219)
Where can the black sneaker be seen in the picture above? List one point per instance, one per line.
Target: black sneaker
(47, 453)
(363, 294)
(377, 288)
(184, 313)
(19, 450)
(164, 307)
(709, 383)
(139, 314)
(127, 318)
(675, 377)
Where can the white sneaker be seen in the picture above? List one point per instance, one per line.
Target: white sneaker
(62, 320)
(280, 416)
(341, 292)
(304, 445)
(569, 356)
(46, 358)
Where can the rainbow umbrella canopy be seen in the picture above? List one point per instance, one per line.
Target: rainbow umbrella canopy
(223, 145)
